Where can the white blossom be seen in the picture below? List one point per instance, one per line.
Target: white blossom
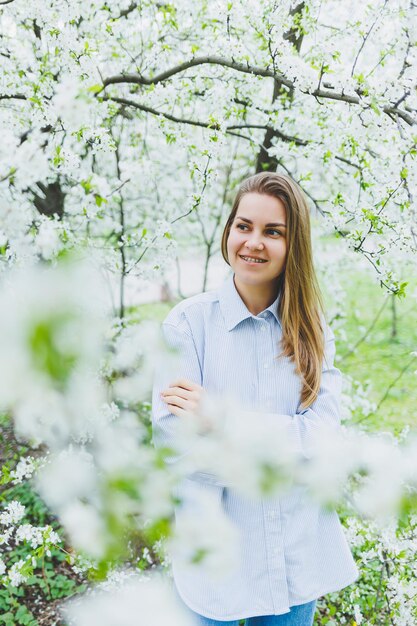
(12, 514)
(65, 477)
(85, 526)
(23, 470)
(47, 239)
(205, 537)
(137, 601)
(15, 575)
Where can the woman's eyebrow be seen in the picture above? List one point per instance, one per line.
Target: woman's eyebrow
(245, 219)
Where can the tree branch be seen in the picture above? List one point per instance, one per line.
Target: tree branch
(126, 12)
(181, 120)
(277, 133)
(197, 201)
(168, 116)
(16, 96)
(365, 38)
(394, 382)
(325, 93)
(138, 79)
(368, 330)
(229, 129)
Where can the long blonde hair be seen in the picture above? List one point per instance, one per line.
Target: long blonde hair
(301, 304)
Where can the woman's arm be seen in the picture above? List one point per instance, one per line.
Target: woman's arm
(165, 422)
(323, 413)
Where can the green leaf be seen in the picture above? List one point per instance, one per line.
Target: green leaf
(95, 88)
(86, 185)
(99, 199)
(46, 353)
(375, 107)
(170, 138)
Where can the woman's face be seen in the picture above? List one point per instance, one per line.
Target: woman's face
(258, 230)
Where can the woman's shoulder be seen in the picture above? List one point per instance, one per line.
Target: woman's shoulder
(191, 309)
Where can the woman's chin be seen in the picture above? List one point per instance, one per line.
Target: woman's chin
(247, 278)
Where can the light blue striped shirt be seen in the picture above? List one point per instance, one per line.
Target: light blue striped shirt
(291, 550)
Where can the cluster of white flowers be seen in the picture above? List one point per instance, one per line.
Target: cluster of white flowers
(387, 552)
(116, 177)
(23, 469)
(49, 380)
(48, 242)
(151, 598)
(36, 536)
(15, 575)
(33, 536)
(12, 514)
(238, 456)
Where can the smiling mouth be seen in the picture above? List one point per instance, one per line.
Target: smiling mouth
(252, 260)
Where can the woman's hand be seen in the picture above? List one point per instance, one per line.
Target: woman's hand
(183, 396)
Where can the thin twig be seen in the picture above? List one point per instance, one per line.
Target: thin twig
(368, 331)
(394, 382)
(365, 38)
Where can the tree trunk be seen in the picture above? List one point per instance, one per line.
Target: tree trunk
(265, 162)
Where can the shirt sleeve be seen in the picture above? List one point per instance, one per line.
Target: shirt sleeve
(325, 410)
(164, 424)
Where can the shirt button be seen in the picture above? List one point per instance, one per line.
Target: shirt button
(266, 365)
(263, 329)
(272, 515)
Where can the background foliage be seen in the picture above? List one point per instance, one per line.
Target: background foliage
(126, 127)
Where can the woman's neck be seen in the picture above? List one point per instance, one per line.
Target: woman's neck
(257, 298)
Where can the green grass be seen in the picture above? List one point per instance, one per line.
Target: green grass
(381, 363)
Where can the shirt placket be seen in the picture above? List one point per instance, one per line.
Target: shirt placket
(271, 510)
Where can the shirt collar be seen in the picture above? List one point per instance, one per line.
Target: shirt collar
(233, 308)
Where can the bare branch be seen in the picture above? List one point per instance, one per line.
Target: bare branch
(365, 38)
(371, 227)
(325, 93)
(389, 110)
(16, 96)
(195, 206)
(173, 118)
(168, 116)
(383, 57)
(126, 12)
(394, 382)
(138, 79)
(368, 330)
(229, 129)
(277, 133)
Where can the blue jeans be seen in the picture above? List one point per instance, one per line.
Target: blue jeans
(300, 615)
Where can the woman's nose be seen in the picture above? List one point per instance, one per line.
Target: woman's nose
(254, 243)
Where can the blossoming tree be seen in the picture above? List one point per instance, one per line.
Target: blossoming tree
(125, 128)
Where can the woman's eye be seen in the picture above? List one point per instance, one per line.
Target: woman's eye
(272, 231)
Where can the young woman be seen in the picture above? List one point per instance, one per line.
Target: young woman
(262, 337)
